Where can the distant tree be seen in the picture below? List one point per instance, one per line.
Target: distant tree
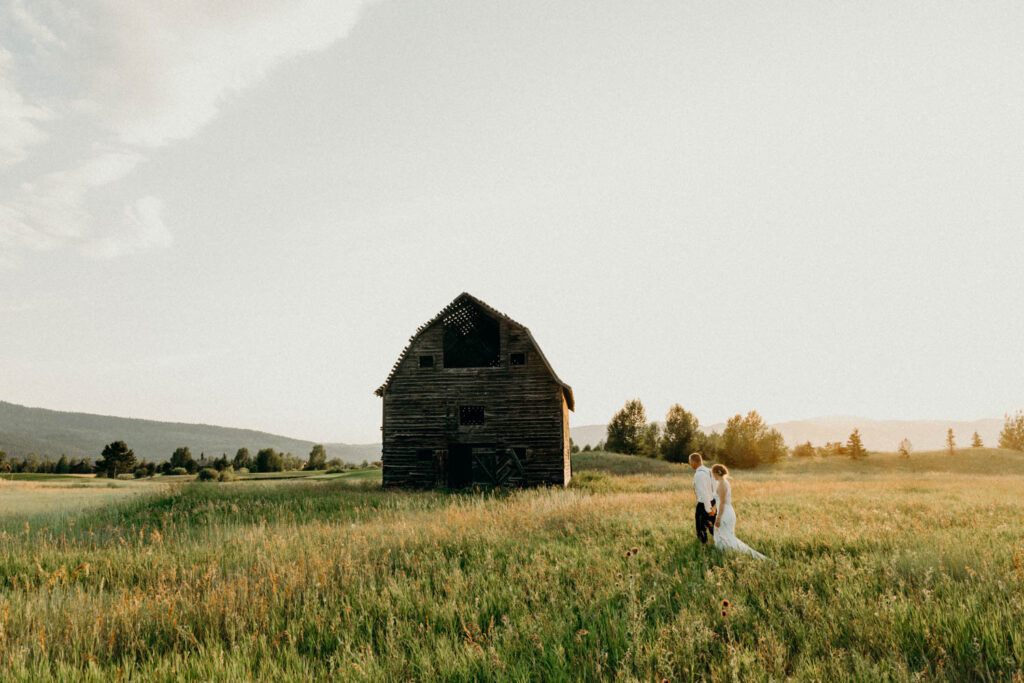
(291, 462)
(222, 463)
(749, 442)
(268, 460)
(832, 448)
(63, 466)
(976, 441)
(650, 441)
(905, 448)
(1012, 434)
(573, 448)
(182, 457)
(600, 446)
(804, 450)
(626, 428)
(242, 459)
(712, 445)
(116, 459)
(855, 447)
(317, 458)
(31, 463)
(950, 441)
(586, 448)
(682, 434)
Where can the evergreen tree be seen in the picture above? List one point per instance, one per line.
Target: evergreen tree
(63, 466)
(976, 441)
(117, 458)
(1012, 434)
(854, 447)
(950, 441)
(905, 448)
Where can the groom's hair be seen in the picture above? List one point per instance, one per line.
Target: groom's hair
(695, 459)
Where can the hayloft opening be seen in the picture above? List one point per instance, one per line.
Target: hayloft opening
(517, 359)
(472, 339)
(426, 361)
(471, 415)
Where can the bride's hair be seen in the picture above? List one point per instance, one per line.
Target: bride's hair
(720, 470)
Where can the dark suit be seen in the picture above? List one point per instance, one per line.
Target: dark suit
(705, 522)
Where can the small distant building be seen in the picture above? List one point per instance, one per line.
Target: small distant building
(472, 400)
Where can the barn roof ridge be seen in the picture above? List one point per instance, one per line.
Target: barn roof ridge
(493, 311)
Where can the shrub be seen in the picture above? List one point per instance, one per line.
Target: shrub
(241, 470)
(208, 474)
(178, 470)
(141, 473)
(804, 450)
(125, 476)
(226, 475)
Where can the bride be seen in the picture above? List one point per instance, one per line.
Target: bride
(725, 523)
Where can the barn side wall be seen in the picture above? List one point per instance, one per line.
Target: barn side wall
(524, 407)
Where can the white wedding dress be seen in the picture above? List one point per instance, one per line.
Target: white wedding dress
(725, 534)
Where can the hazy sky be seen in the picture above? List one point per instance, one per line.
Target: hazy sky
(238, 212)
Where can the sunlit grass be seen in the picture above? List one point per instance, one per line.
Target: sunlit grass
(881, 574)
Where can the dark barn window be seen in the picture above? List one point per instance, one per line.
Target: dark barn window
(472, 339)
(424, 456)
(517, 359)
(471, 415)
(426, 361)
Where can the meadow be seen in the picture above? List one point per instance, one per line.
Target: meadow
(884, 569)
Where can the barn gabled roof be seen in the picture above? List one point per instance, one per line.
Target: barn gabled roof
(456, 302)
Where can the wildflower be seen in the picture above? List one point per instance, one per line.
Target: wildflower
(636, 550)
(724, 613)
(725, 604)
(628, 553)
(619, 575)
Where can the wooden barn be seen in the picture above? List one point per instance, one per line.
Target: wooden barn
(472, 400)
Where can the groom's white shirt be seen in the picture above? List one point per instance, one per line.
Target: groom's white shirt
(703, 486)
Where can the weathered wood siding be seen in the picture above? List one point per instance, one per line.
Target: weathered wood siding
(524, 407)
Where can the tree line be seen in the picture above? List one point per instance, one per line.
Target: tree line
(117, 459)
(746, 441)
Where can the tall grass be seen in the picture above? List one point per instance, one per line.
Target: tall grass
(877, 578)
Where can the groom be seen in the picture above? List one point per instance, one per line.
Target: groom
(704, 487)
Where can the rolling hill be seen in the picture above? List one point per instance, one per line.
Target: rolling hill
(50, 433)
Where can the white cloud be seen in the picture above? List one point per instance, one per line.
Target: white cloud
(141, 229)
(19, 120)
(127, 77)
(183, 58)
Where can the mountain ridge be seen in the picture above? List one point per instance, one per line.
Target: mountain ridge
(45, 432)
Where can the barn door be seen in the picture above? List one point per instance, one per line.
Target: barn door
(497, 467)
(460, 465)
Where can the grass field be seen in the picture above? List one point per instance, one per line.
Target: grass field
(885, 570)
